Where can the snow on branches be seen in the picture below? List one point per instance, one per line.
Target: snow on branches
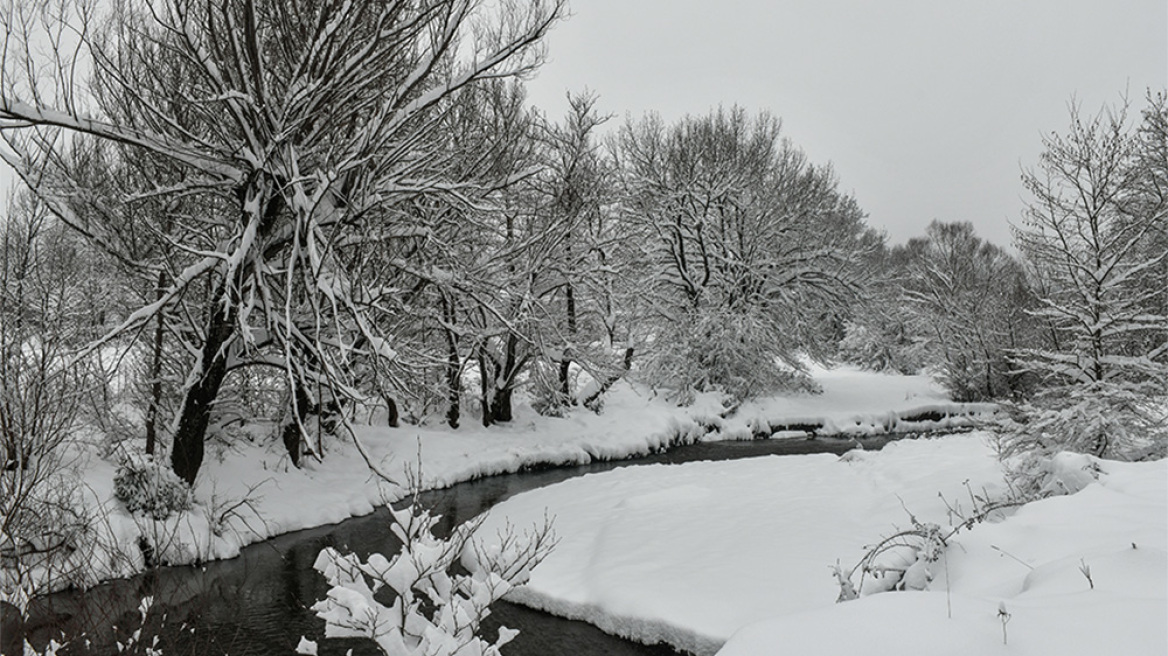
(434, 610)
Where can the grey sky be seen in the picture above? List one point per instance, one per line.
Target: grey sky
(927, 108)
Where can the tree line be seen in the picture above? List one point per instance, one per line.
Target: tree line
(319, 207)
(1074, 327)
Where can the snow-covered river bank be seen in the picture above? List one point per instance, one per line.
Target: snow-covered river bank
(258, 603)
(702, 555)
(735, 557)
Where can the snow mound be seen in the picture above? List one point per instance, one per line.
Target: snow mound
(688, 554)
(1078, 575)
(741, 551)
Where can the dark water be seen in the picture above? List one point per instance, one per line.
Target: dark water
(258, 604)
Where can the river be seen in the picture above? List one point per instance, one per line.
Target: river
(258, 604)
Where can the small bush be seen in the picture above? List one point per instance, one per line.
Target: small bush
(145, 487)
(547, 396)
(436, 604)
(1034, 475)
(906, 559)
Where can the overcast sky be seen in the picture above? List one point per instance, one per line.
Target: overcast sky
(927, 108)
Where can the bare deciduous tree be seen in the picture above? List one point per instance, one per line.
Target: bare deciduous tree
(747, 247)
(296, 131)
(1097, 205)
(968, 299)
(1085, 239)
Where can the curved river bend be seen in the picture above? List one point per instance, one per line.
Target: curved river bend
(258, 603)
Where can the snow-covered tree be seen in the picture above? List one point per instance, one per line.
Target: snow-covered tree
(1084, 239)
(1096, 206)
(525, 298)
(296, 131)
(46, 312)
(967, 300)
(880, 335)
(1149, 198)
(575, 191)
(747, 249)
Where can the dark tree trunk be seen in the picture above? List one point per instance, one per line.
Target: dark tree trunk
(566, 362)
(501, 404)
(301, 404)
(393, 418)
(453, 367)
(484, 388)
(505, 381)
(592, 399)
(453, 390)
(156, 370)
(565, 391)
(498, 381)
(187, 455)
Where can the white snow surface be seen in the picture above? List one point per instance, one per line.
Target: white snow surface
(740, 551)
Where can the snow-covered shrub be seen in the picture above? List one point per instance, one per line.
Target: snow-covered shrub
(547, 396)
(434, 610)
(45, 523)
(719, 349)
(902, 561)
(1115, 420)
(881, 348)
(1033, 475)
(906, 560)
(144, 486)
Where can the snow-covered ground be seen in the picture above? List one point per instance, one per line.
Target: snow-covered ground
(730, 555)
(635, 421)
(739, 552)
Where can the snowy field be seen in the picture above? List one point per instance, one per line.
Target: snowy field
(635, 421)
(738, 553)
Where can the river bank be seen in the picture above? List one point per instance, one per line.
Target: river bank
(736, 557)
(259, 603)
(248, 491)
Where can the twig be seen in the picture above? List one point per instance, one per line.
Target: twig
(1007, 553)
(1086, 570)
(1004, 616)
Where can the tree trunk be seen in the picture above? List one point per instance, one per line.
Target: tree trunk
(505, 381)
(591, 401)
(453, 367)
(566, 362)
(291, 435)
(501, 404)
(498, 382)
(453, 389)
(484, 387)
(392, 418)
(565, 391)
(156, 371)
(187, 455)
